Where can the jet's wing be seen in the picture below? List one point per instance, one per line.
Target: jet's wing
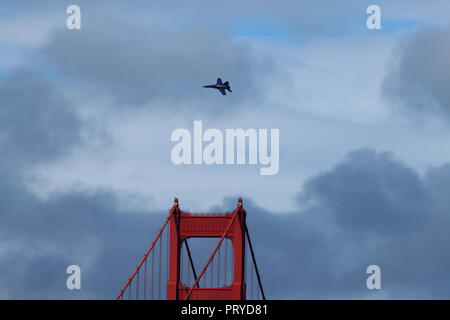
(222, 91)
(219, 81)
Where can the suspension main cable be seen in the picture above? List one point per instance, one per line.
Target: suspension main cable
(192, 262)
(254, 263)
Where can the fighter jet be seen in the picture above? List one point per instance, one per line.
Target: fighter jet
(220, 86)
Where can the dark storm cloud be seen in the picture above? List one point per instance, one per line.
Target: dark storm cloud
(137, 64)
(374, 185)
(40, 239)
(37, 125)
(36, 121)
(420, 73)
(369, 209)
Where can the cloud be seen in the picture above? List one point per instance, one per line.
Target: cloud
(369, 209)
(41, 239)
(36, 121)
(371, 185)
(418, 78)
(138, 65)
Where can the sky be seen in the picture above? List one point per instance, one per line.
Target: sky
(86, 118)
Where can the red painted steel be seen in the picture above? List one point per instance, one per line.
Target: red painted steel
(186, 297)
(230, 226)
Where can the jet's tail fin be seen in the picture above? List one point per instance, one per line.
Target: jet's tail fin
(227, 85)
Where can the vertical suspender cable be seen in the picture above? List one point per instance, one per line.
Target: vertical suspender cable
(204, 282)
(145, 279)
(218, 268)
(189, 275)
(226, 263)
(137, 286)
(212, 272)
(181, 264)
(153, 273)
(257, 293)
(159, 272)
(251, 271)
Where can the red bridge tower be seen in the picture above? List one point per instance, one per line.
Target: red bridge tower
(183, 226)
(225, 226)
